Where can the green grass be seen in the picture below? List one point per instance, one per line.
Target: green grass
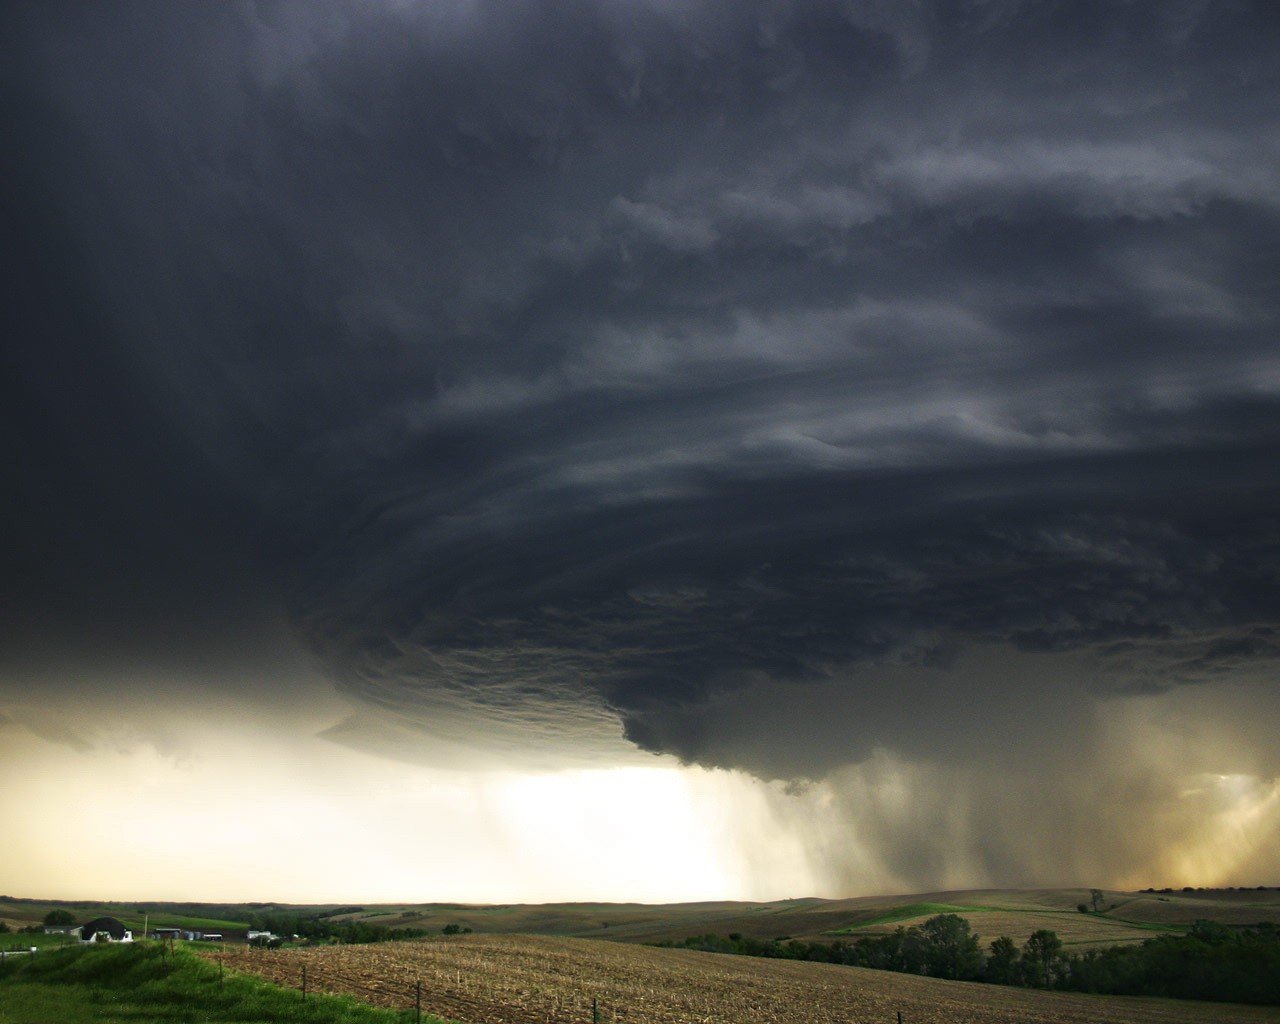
(137, 984)
(25, 940)
(195, 924)
(909, 910)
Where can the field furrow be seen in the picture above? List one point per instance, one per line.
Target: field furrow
(541, 980)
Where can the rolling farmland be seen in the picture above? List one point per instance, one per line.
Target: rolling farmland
(1132, 916)
(1129, 917)
(1075, 929)
(492, 979)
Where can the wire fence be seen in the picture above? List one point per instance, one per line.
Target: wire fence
(417, 996)
(413, 995)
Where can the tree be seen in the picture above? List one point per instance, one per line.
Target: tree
(910, 950)
(59, 917)
(1042, 954)
(1003, 965)
(950, 949)
(1095, 897)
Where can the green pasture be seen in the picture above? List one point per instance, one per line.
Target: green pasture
(138, 984)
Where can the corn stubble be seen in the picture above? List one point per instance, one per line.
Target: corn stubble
(524, 979)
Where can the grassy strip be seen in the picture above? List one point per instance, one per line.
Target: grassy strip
(910, 910)
(138, 984)
(195, 924)
(25, 940)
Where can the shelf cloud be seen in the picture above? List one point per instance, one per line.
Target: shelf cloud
(785, 387)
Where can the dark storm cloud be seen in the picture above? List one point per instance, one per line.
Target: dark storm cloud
(564, 364)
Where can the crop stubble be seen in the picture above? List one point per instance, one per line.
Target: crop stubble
(525, 979)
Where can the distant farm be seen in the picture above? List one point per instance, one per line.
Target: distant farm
(1119, 917)
(528, 964)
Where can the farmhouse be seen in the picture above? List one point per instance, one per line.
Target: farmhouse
(105, 929)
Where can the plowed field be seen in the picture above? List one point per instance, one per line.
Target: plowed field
(495, 979)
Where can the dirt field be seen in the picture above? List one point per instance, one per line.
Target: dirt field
(1239, 907)
(491, 979)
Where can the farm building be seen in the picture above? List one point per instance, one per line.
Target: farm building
(113, 930)
(184, 933)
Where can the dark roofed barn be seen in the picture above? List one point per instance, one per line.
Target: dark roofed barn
(110, 925)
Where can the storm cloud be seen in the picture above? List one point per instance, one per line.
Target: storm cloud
(576, 377)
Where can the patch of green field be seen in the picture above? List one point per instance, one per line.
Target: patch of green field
(132, 916)
(195, 924)
(911, 910)
(138, 984)
(25, 940)
(917, 911)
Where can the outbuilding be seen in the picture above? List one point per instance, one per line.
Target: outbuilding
(115, 931)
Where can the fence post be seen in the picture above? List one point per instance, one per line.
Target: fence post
(304, 981)
(417, 1001)
(899, 1017)
(595, 1012)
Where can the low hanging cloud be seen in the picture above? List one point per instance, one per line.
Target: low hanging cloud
(578, 379)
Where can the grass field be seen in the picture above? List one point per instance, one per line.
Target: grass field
(20, 913)
(26, 940)
(544, 980)
(1018, 919)
(134, 984)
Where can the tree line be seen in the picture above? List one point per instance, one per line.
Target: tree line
(323, 928)
(1211, 961)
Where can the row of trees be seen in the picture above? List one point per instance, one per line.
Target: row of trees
(1211, 962)
(323, 928)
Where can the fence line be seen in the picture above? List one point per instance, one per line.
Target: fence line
(412, 996)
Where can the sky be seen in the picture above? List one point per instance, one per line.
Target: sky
(638, 449)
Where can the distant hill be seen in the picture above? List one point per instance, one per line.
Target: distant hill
(1126, 917)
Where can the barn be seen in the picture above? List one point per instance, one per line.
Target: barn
(108, 926)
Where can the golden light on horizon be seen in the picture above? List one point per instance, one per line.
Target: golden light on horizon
(249, 815)
(222, 803)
